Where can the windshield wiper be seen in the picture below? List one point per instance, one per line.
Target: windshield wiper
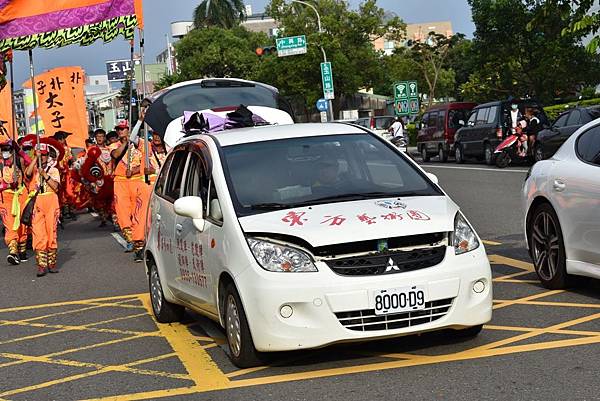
(272, 206)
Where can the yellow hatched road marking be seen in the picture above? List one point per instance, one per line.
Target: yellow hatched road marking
(503, 260)
(492, 243)
(202, 369)
(57, 304)
(526, 299)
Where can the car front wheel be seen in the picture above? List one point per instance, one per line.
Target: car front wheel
(424, 154)
(459, 157)
(547, 248)
(489, 154)
(241, 346)
(442, 154)
(164, 311)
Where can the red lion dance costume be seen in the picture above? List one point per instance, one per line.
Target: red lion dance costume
(90, 182)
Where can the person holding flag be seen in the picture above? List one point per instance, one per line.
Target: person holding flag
(44, 184)
(130, 190)
(13, 199)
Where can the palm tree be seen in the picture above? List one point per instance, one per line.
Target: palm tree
(220, 13)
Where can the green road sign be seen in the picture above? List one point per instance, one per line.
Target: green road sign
(406, 98)
(291, 46)
(327, 78)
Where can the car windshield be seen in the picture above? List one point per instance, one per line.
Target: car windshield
(384, 123)
(456, 115)
(264, 176)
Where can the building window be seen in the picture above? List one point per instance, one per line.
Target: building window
(389, 45)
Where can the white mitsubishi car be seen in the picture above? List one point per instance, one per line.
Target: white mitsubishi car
(299, 236)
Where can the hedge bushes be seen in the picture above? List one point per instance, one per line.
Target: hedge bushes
(553, 111)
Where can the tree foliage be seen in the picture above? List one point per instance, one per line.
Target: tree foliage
(522, 49)
(217, 52)
(219, 13)
(347, 40)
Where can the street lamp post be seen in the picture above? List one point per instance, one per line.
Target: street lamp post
(329, 104)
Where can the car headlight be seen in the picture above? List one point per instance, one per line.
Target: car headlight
(464, 238)
(279, 258)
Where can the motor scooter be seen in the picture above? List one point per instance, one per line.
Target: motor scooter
(513, 149)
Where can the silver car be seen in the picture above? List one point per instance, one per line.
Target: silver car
(562, 204)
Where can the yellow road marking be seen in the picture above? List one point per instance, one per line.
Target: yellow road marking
(518, 274)
(503, 260)
(112, 368)
(550, 303)
(516, 281)
(529, 329)
(525, 299)
(96, 306)
(493, 243)
(537, 332)
(64, 328)
(202, 369)
(81, 302)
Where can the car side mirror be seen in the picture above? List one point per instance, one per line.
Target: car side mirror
(433, 178)
(191, 206)
(215, 210)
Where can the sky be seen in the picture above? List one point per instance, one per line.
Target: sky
(158, 14)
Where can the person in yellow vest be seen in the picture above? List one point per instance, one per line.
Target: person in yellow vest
(46, 183)
(130, 190)
(13, 199)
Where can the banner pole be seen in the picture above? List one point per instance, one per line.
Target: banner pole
(14, 119)
(35, 105)
(144, 127)
(131, 79)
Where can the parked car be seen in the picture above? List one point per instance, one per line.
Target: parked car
(303, 235)
(550, 139)
(378, 124)
(211, 93)
(562, 202)
(438, 127)
(486, 127)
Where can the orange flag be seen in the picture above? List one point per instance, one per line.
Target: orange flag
(7, 128)
(61, 103)
(139, 13)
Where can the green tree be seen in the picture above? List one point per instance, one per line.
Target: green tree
(219, 13)
(518, 57)
(347, 38)
(217, 52)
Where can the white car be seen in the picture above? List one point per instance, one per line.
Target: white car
(299, 236)
(562, 205)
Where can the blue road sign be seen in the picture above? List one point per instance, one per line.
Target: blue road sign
(322, 104)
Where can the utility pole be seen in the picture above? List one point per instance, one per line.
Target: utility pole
(329, 104)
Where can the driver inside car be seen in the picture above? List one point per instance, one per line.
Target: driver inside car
(328, 177)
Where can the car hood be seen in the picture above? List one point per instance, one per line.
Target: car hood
(363, 220)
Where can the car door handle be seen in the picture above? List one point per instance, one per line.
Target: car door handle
(178, 228)
(559, 186)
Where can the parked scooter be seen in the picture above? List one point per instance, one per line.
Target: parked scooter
(513, 149)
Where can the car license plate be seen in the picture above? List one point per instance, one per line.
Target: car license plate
(397, 300)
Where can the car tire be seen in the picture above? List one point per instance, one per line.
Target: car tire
(488, 154)
(547, 248)
(241, 346)
(469, 332)
(424, 154)
(442, 154)
(164, 311)
(502, 160)
(459, 156)
(538, 153)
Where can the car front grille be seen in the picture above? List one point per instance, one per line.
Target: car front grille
(388, 262)
(367, 320)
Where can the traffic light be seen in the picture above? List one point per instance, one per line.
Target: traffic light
(266, 50)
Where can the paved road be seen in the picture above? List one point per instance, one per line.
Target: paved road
(86, 333)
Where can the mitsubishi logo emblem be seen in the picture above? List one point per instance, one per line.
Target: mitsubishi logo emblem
(391, 266)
